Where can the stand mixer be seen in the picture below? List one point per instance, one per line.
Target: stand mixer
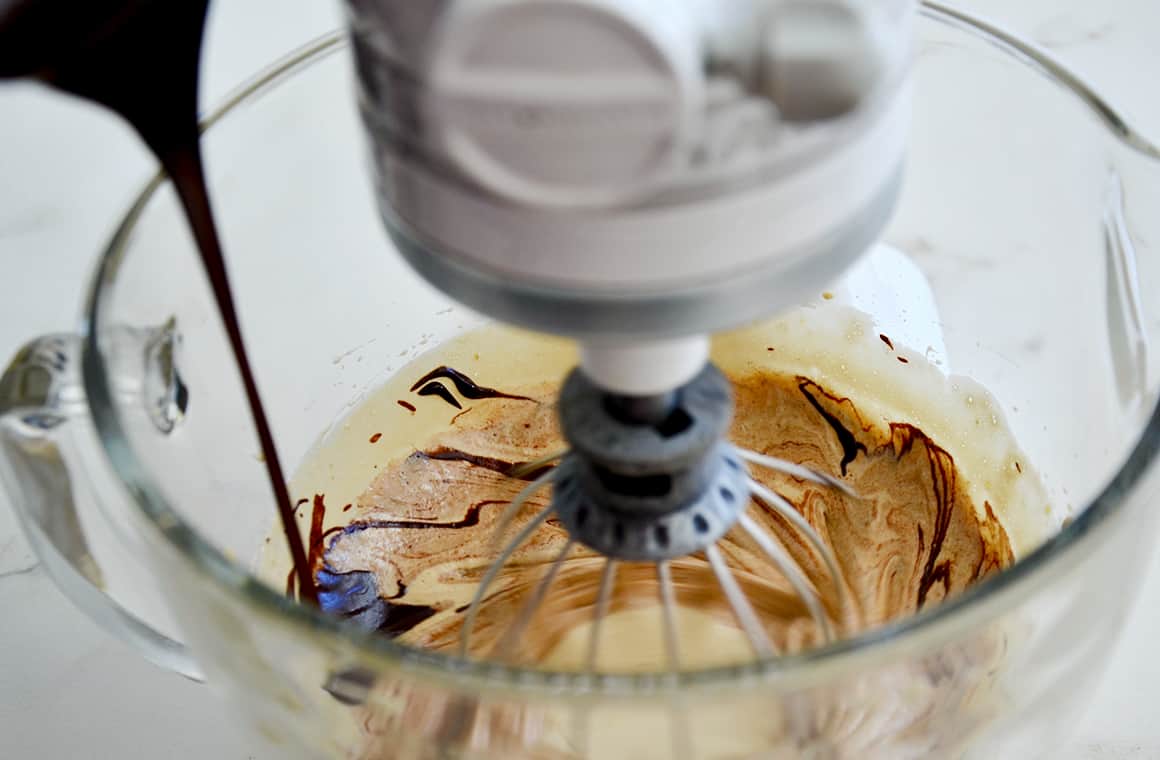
(541, 220)
(630, 179)
(593, 169)
(588, 168)
(637, 180)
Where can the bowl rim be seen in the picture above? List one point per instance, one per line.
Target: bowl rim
(995, 594)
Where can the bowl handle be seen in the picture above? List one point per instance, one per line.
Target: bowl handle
(40, 392)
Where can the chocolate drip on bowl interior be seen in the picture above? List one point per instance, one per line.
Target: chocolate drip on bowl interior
(466, 387)
(503, 467)
(355, 595)
(850, 444)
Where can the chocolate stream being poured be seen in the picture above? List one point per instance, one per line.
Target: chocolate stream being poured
(140, 59)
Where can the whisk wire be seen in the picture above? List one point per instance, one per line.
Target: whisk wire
(668, 611)
(513, 508)
(535, 464)
(782, 507)
(792, 469)
(493, 571)
(603, 596)
(797, 579)
(679, 735)
(758, 638)
(516, 630)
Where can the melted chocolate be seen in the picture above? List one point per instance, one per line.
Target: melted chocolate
(406, 405)
(467, 387)
(440, 390)
(469, 520)
(850, 444)
(317, 520)
(140, 59)
(942, 476)
(355, 595)
(501, 466)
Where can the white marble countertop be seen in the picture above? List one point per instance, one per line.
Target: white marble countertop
(69, 691)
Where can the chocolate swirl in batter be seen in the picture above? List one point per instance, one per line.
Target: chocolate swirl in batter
(422, 534)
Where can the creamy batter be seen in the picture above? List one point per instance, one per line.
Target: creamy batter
(424, 530)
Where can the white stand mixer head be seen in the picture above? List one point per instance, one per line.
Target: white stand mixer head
(599, 169)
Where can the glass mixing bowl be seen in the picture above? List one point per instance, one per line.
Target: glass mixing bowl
(1029, 208)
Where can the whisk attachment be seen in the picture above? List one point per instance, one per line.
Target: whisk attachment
(652, 479)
